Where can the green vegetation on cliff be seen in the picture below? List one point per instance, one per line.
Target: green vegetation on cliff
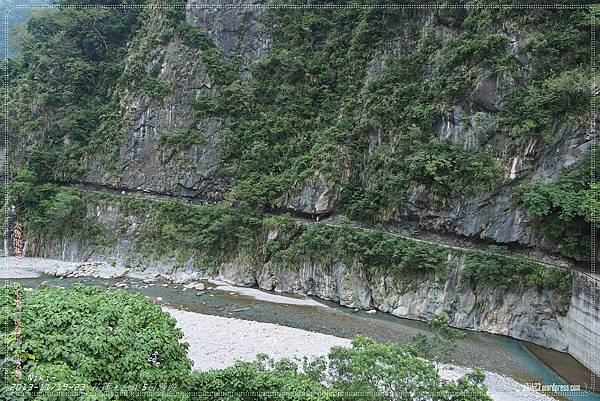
(378, 252)
(312, 106)
(566, 206)
(493, 271)
(68, 65)
(16, 14)
(211, 235)
(330, 97)
(49, 211)
(379, 107)
(407, 261)
(216, 232)
(357, 97)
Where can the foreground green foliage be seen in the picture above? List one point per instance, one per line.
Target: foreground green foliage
(89, 344)
(366, 371)
(394, 372)
(442, 344)
(262, 380)
(112, 340)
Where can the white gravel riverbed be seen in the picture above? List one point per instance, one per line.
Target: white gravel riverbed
(25, 267)
(265, 296)
(217, 342)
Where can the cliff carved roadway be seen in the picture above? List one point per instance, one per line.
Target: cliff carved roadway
(474, 246)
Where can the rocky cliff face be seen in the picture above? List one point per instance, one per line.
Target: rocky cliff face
(142, 161)
(475, 88)
(243, 35)
(522, 313)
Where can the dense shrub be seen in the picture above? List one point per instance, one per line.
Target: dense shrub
(532, 110)
(493, 271)
(182, 139)
(378, 252)
(370, 370)
(47, 210)
(193, 36)
(206, 231)
(90, 337)
(366, 371)
(255, 381)
(566, 208)
(67, 69)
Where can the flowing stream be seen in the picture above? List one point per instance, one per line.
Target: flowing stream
(522, 361)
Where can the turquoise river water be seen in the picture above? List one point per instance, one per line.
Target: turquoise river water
(524, 362)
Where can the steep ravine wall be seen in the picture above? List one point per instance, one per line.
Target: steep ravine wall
(244, 35)
(582, 323)
(521, 312)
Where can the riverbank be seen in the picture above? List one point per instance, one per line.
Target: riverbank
(503, 356)
(13, 267)
(217, 342)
